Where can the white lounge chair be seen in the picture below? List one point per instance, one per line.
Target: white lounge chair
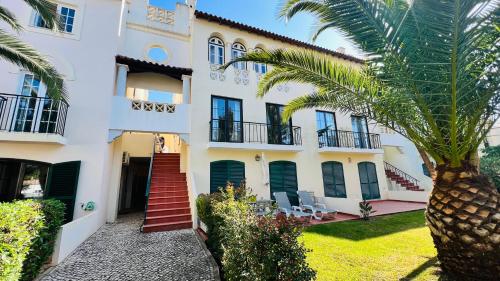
(307, 202)
(287, 208)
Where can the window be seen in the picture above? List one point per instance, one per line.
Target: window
(260, 68)
(238, 50)
(333, 179)
(216, 51)
(222, 172)
(368, 180)
(66, 18)
(227, 121)
(283, 178)
(157, 54)
(360, 132)
(327, 129)
(277, 132)
(425, 170)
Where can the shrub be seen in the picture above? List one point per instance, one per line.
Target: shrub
(248, 247)
(490, 164)
(43, 244)
(365, 209)
(276, 253)
(27, 232)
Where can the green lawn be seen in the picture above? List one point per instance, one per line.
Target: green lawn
(394, 247)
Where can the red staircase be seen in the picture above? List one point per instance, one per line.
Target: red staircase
(168, 200)
(401, 178)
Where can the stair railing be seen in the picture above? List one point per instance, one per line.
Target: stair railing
(400, 173)
(150, 173)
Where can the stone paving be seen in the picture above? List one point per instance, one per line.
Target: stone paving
(119, 251)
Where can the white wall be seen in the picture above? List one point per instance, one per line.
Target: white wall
(308, 161)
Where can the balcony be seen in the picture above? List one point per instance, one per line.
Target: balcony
(32, 119)
(347, 141)
(254, 136)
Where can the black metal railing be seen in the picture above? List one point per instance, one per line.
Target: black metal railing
(338, 138)
(391, 168)
(251, 132)
(32, 114)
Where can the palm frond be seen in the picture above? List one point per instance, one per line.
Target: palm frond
(21, 54)
(7, 17)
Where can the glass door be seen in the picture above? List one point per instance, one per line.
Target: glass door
(368, 180)
(277, 132)
(327, 130)
(227, 121)
(360, 131)
(26, 104)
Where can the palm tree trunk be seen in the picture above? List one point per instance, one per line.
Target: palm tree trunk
(463, 215)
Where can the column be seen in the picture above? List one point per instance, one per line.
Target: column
(186, 89)
(121, 80)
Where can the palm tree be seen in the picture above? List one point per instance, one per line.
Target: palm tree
(15, 51)
(432, 76)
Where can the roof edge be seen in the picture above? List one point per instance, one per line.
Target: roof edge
(251, 29)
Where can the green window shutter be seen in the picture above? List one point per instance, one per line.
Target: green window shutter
(368, 180)
(333, 179)
(62, 182)
(283, 178)
(223, 171)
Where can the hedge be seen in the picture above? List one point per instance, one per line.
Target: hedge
(28, 229)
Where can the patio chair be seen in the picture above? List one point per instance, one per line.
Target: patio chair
(307, 202)
(287, 208)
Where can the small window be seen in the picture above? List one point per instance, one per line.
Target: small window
(333, 179)
(216, 51)
(238, 50)
(66, 19)
(260, 68)
(157, 54)
(425, 170)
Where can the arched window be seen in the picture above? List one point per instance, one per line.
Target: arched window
(224, 171)
(260, 68)
(216, 51)
(333, 179)
(238, 50)
(368, 180)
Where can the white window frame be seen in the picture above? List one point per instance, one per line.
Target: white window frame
(76, 5)
(238, 50)
(259, 68)
(216, 51)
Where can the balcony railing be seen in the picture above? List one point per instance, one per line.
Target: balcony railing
(337, 138)
(250, 132)
(32, 114)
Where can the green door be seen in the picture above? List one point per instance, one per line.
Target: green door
(225, 171)
(62, 183)
(368, 180)
(283, 178)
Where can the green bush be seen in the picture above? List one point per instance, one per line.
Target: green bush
(248, 247)
(490, 164)
(27, 232)
(43, 244)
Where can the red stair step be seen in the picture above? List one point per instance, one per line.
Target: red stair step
(167, 212)
(167, 226)
(171, 205)
(168, 219)
(169, 199)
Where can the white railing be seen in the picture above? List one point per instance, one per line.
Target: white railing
(161, 15)
(153, 106)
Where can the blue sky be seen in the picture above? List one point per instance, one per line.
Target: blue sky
(262, 14)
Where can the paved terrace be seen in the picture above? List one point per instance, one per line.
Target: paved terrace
(381, 207)
(119, 251)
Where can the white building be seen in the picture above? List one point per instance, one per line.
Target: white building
(134, 70)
